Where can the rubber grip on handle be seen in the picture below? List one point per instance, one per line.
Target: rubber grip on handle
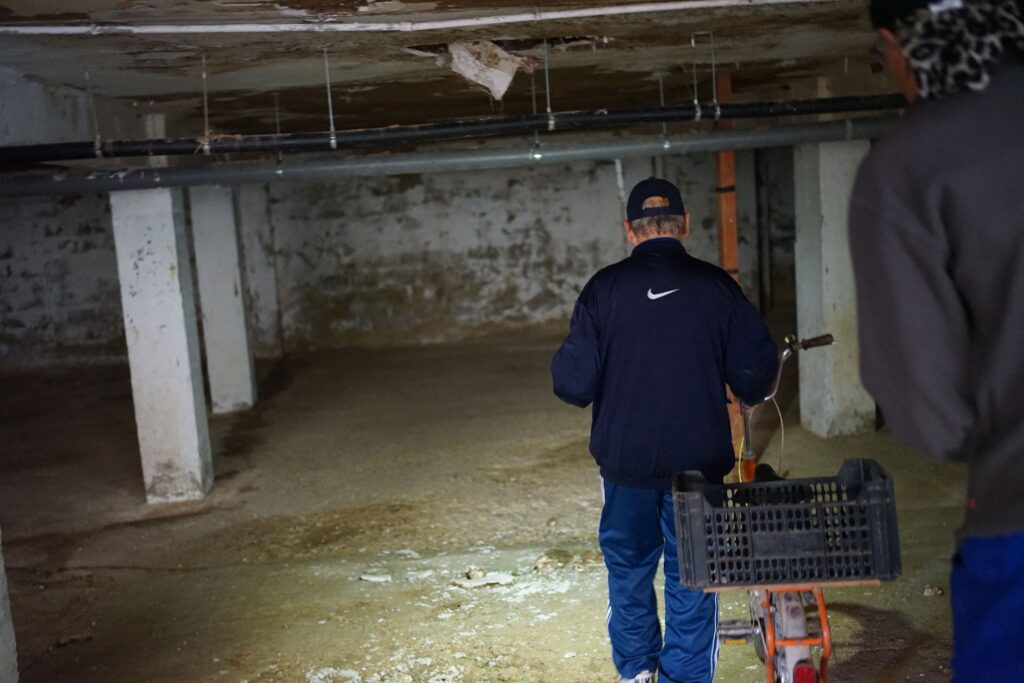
(823, 340)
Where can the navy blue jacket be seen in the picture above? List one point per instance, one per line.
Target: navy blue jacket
(653, 341)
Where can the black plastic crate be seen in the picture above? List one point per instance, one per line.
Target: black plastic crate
(822, 530)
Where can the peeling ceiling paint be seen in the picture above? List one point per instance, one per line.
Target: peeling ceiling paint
(382, 79)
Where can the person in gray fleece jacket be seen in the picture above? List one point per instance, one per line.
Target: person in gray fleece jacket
(937, 233)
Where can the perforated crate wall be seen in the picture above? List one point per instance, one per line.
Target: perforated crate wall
(797, 531)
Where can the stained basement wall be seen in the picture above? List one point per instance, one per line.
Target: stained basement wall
(59, 295)
(32, 112)
(444, 256)
(35, 112)
(775, 183)
(59, 292)
(368, 261)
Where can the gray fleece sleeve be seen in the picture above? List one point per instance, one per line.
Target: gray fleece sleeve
(913, 324)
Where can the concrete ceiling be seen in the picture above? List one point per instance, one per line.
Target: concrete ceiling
(383, 78)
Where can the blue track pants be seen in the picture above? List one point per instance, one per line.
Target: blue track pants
(637, 528)
(987, 590)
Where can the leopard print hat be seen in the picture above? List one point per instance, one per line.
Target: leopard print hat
(955, 46)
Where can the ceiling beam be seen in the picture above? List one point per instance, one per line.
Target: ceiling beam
(394, 26)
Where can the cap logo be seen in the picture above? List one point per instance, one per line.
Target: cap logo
(655, 203)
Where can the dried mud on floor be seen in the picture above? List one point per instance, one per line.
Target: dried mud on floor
(415, 515)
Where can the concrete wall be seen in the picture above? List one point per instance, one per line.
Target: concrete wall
(776, 215)
(362, 261)
(256, 234)
(58, 281)
(436, 257)
(58, 275)
(441, 257)
(33, 112)
(747, 223)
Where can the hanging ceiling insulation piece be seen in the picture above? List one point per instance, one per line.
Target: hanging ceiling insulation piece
(484, 63)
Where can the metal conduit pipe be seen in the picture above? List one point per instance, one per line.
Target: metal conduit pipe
(435, 132)
(435, 162)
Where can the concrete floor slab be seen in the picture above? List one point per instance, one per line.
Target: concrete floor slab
(347, 504)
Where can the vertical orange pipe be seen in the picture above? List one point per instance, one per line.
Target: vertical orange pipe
(728, 245)
(725, 188)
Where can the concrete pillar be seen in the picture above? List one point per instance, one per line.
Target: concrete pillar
(225, 331)
(163, 343)
(8, 652)
(259, 255)
(832, 400)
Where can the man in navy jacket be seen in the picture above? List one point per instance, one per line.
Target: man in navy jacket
(653, 342)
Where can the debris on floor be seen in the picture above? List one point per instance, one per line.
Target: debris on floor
(555, 558)
(329, 674)
(375, 578)
(488, 579)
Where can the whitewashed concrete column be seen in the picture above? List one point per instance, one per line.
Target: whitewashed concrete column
(833, 402)
(259, 255)
(163, 343)
(225, 330)
(8, 651)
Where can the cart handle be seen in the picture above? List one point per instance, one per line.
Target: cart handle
(792, 346)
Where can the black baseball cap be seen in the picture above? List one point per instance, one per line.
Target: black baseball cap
(671, 204)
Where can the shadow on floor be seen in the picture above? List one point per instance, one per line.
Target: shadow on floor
(244, 433)
(885, 644)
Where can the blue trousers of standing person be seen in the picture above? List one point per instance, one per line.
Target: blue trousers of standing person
(987, 590)
(637, 529)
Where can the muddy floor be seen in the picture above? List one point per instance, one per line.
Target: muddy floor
(422, 516)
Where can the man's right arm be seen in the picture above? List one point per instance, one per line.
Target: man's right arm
(575, 368)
